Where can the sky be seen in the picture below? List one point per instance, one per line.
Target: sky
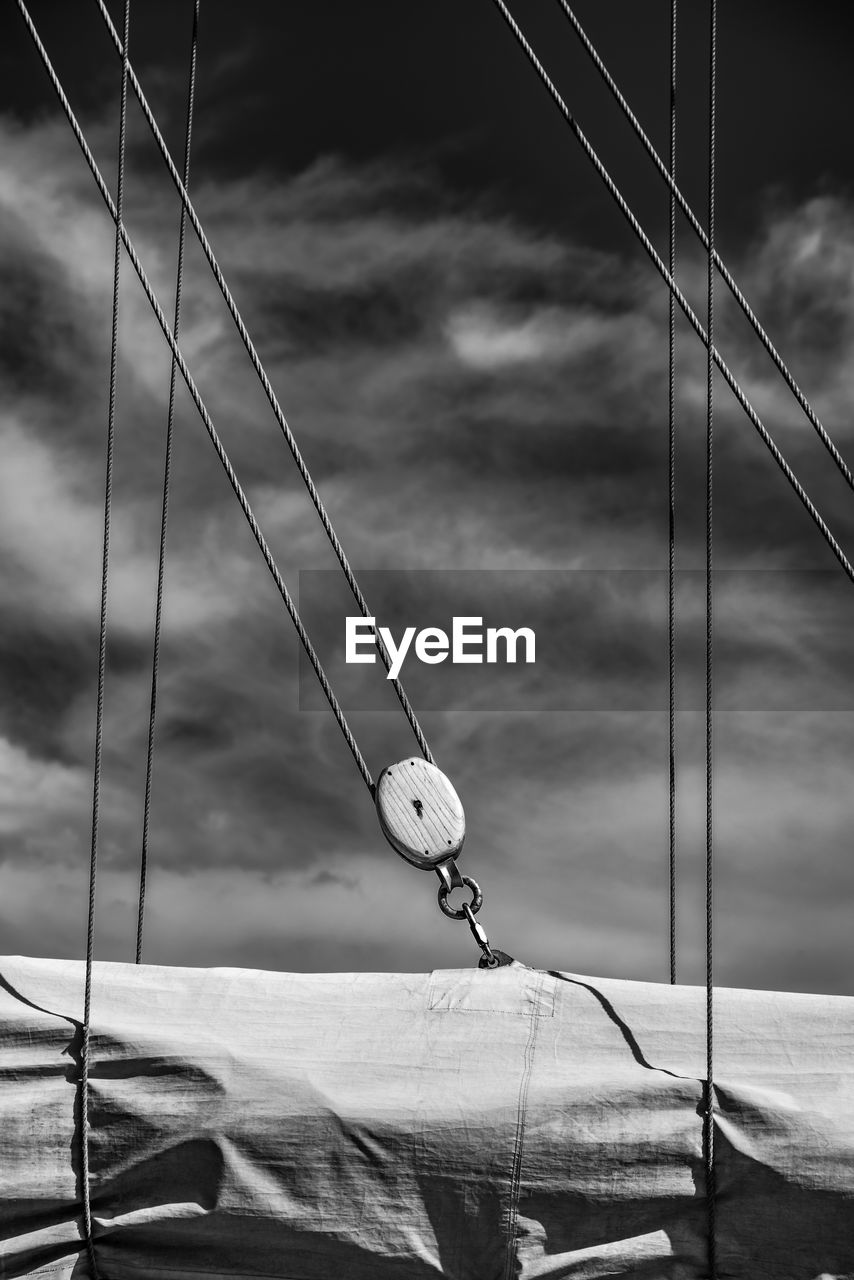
(471, 349)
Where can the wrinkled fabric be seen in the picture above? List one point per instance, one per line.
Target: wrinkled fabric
(468, 1124)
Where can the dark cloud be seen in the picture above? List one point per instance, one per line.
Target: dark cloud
(44, 347)
(474, 393)
(42, 673)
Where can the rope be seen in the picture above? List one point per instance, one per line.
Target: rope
(670, 179)
(268, 389)
(671, 477)
(708, 1115)
(200, 405)
(167, 474)
(102, 666)
(677, 292)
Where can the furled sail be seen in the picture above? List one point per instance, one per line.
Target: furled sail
(475, 1125)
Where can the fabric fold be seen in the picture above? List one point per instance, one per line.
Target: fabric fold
(467, 1124)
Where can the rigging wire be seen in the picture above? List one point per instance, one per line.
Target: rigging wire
(671, 489)
(709, 1110)
(102, 665)
(670, 179)
(729, 377)
(619, 200)
(198, 402)
(667, 276)
(268, 389)
(167, 474)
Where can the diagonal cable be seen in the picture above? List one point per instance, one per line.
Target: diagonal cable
(709, 1109)
(671, 489)
(102, 667)
(729, 377)
(164, 516)
(704, 240)
(199, 403)
(268, 389)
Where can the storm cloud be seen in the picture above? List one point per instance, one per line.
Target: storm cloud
(471, 392)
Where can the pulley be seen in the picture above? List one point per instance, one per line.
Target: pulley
(423, 820)
(420, 813)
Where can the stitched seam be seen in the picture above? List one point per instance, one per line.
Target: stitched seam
(542, 1002)
(493, 1013)
(516, 1171)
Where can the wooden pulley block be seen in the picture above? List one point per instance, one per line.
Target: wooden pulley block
(420, 813)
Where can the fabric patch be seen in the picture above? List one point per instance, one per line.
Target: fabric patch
(512, 989)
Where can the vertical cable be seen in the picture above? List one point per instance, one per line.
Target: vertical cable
(221, 453)
(671, 475)
(701, 235)
(167, 474)
(661, 268)
(289, 437)
(708, 1116)
(102, 662)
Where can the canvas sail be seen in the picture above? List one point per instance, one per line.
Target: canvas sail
(474, 1125)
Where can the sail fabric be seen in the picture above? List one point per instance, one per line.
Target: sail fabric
(467, 1124)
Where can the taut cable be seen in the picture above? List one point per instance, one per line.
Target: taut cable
(622, 205)
(709, 1110)
(200, 405)
(102, 666)
(164, 514)
(290, 439)
(670, 179)
(671, 489)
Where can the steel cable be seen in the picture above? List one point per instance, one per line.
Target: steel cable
(728, 279)
(102, 667)
(268, 389)
(200, 405)
(677, 292)
(671, 489)
(164, 515)
(709, 1110)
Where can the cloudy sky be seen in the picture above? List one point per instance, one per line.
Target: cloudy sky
(472, 352)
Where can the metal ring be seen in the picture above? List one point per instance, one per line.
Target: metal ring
(474, 906)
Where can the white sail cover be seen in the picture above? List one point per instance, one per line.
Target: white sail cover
(474, 1125)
